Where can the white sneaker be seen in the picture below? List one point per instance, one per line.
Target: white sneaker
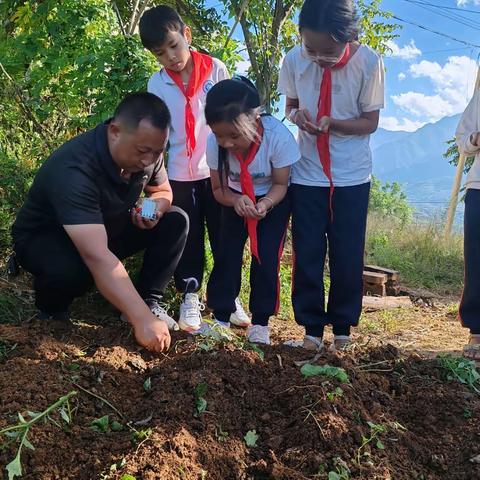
(239, 317)
(190, 313)
(160, 311)
(258, 334)
(213, 328)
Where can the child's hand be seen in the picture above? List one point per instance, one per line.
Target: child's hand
(316, 129)
(302, 118)
(244, 207)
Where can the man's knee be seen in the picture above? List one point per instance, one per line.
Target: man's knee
(177, 221)
(73, 277)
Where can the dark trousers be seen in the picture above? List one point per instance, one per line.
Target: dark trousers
(312, 231)
(60, 274)
(225, 281)
(197, 200)
(470, 304)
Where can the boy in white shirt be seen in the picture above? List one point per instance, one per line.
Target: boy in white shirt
(335, 89)
(468, 140)
(182, 84)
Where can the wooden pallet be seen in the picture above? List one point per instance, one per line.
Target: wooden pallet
(380, 281)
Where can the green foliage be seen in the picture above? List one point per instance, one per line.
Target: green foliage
(342, 472)
(19, 433)
(200, 402)
(418, 251)
(251, 438)
(462, 370)
(336, 373)
(389, 200)
(453, 156)
(104, 425)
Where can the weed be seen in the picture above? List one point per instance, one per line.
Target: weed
(20, 431)
(467, 413)
(342, 472)
(127, 477)
(251, 438)
(138, 436)
(200, 402)
(462, 370)
(6, 349)
(104, 425)
(331, 396)
(220, 434)
(375, 430)
(147, 384)
(337, 373)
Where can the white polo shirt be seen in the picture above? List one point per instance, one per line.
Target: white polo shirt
(356, 88)
(277, 150)
(162, 85)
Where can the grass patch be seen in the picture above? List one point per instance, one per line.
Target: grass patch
(419, 252)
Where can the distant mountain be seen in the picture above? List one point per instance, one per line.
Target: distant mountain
(415, 159)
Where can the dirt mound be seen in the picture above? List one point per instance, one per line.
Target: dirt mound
(190, 414)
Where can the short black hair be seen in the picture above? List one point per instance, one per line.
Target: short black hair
(136, 107)
(336, 17)
(156, 23)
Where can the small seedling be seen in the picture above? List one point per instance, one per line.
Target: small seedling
(200, 402)
(375, 430)
(342, 472)
(138, 436)
(331, 396)
(147, 384)
(103, 425)
(467, 413)
(127, 477)
(337, 373)
(6, 349)
(462, 370)
(251, 438)
(220, 434)
(20, 431)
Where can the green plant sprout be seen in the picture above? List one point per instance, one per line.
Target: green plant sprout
(104, 425)
(20, 431)
(220, 434)
(342, 472)
(6, 349)
(337, 373)
(218, 336)
(375, 430)
(462, 370)
(331, 396)
(251, 438)
(200, 402)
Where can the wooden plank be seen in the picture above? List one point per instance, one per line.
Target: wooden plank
(392, 274)
(385, 303)
(375, 278)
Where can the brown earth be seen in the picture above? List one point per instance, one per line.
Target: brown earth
(429, 425)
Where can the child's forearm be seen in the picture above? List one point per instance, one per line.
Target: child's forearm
(364, 125)
(275, 195)
(225, 196)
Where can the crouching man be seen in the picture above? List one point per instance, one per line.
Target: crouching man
(79, 220)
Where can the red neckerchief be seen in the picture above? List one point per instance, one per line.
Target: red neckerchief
(202, 67)
(246, 182)
(325, 110)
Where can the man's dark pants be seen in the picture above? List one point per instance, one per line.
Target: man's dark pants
(60, 274)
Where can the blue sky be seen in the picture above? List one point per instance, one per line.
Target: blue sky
(428, 76)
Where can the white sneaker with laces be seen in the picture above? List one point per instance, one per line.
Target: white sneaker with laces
(160, 311)
(190, 313)
(239, 317)
(258, 334)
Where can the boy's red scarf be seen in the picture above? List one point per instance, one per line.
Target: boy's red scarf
(202, 67)
(325, 110)
(246, 182)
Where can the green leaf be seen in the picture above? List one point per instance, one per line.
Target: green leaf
(251, 438)
(64, 415)
(201, 405)
(127, 477)
(100, 424)
(200, 390)
(20, 417)
(116, 426)
(33, 415)
(380, 445)
(309, 370)
(27, 443)
(334, 476)
(14, 468)
(14, 434)
(147, 384)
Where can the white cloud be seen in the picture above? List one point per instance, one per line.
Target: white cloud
(401, 76)
(452, 83)
(405, 124)
(461, 3)
(408, 52)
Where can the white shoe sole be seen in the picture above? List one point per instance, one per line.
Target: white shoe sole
(187, 327)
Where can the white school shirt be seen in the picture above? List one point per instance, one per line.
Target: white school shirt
(162, 85)
(470, 123)
(356, 88)
(277, 150)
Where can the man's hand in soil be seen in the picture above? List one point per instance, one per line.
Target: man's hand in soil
(152, 334)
